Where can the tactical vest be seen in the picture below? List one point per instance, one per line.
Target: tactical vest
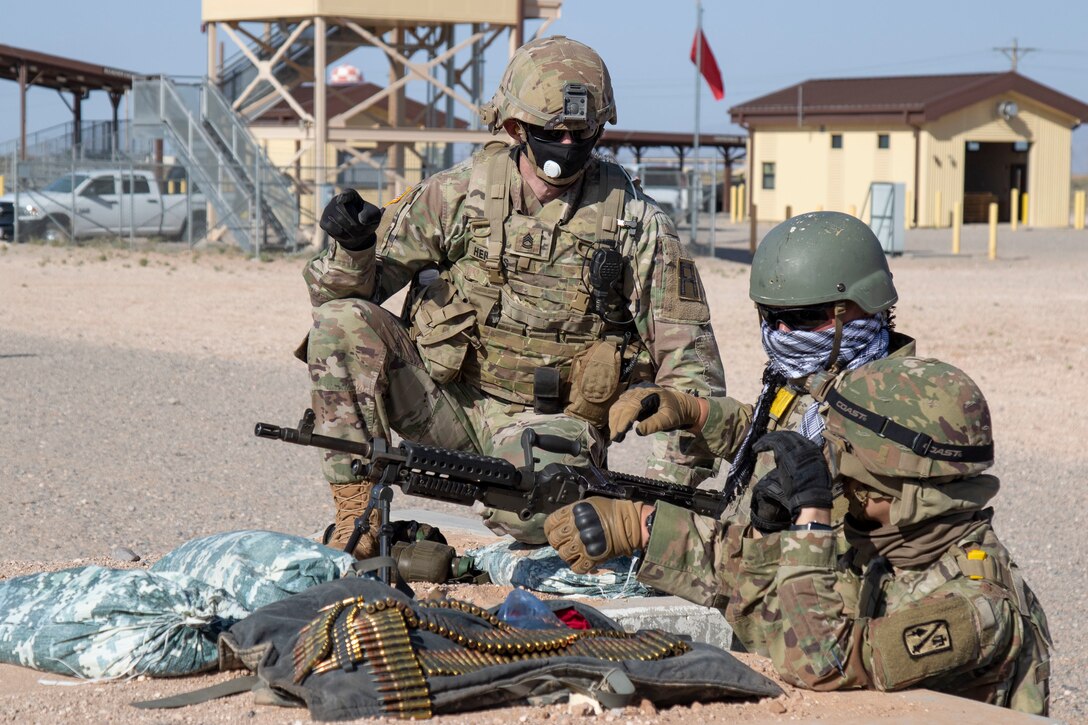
(525, 277)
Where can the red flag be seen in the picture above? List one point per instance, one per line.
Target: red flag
(709, 68)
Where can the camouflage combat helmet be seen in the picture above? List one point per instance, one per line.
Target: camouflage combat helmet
(554, 82)
(908, 417)
(821, 257)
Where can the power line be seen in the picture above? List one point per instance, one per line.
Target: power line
(1015, 52)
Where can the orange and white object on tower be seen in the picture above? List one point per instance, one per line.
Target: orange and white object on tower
(344, 75)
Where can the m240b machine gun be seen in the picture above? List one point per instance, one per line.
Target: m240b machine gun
(462, 477)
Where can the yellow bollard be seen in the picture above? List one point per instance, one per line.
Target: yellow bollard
(1078, 209)
(1024, 208)
(1, 184)
(1014, 204)
(853, 210)
(993, 230)
(937, 211)
(789, 211)
(957, 226)
(908, 220)
(733, 203)
(742, 203)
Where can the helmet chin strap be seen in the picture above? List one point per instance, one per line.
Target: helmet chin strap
(832, 363)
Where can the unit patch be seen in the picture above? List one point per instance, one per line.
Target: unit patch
(479, 252)
(689, 287)
(927, 639)
(683, 298)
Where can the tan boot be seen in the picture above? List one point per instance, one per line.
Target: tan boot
(351, 500)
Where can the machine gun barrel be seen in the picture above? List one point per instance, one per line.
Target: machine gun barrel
(304, 436)
(463, 477)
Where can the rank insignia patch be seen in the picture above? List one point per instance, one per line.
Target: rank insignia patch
(927, 639)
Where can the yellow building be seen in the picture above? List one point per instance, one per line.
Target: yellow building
(970, 138)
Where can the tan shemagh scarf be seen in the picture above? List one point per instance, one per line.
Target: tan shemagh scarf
(926, 521)
(913, 546)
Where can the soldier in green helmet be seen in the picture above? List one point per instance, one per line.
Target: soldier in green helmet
(543, 284)
(925, 594)
(824, 295)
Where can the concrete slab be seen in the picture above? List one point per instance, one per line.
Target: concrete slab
(671, 614)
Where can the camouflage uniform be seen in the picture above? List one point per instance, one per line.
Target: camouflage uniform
(810, 259)
(950, 612)
(510, 297)
(693, 575)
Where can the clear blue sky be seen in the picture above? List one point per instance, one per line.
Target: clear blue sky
(760, 47)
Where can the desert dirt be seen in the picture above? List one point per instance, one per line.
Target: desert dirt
(132, 377)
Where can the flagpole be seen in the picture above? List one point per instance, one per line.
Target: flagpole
(694, 192)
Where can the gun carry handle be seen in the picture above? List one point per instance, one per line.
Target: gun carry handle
(552, 443)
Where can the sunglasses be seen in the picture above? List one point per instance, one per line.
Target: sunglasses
(796, 318)
(555, 135)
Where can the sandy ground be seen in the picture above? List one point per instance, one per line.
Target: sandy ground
(133, 377)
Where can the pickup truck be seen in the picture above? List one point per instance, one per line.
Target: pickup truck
(107, 202)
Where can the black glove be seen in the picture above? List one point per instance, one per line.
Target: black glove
(770, 506)
(351, 221)
(800, 470)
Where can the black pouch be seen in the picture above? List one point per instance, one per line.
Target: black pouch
(547, 391)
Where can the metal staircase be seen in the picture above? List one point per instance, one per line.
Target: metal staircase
(252, 199)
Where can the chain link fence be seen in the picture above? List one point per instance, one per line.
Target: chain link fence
(60, 199)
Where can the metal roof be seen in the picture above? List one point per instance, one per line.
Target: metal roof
(63, 74)
(906, 99)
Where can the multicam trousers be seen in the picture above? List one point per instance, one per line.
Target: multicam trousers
(368, 379)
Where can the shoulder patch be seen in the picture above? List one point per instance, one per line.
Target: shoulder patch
(689, 288)
(684, 299)
(927, 638)
(932, 638)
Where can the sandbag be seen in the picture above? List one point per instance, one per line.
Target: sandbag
(97, 622)
(406, 657)
(256, 567)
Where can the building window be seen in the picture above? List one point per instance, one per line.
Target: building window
(1020, 146)
(768, 174)
(883, 141)
(836, 140)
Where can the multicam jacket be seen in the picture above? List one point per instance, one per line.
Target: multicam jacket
(526, 286)
(967, 624)
(690, 564)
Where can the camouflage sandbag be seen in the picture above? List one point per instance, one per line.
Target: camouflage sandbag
(540, 569)
(356, 648)
(256, 567)
(101, 623)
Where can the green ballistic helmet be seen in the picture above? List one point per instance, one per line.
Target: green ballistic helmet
(553, 82)
(908, 417)
(818, 258)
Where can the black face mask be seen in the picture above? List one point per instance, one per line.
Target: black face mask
(558, 163)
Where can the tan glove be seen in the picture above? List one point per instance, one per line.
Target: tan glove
(658, 408)
(592, 531)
